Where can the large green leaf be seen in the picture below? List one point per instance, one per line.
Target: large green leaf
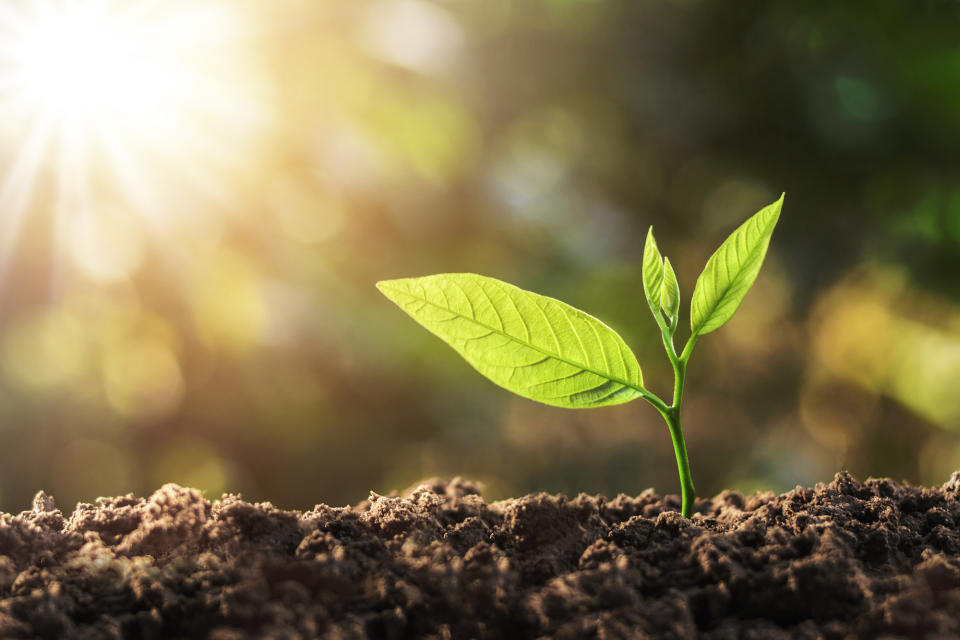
(731, 271)
(535, 346)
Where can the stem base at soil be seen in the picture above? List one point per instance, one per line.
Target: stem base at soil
(688, 492)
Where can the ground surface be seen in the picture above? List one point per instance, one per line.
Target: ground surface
(848, 559)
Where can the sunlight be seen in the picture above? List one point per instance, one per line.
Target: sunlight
(83, 63)
(141, 106)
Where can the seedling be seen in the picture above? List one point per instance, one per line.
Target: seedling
(548, 351)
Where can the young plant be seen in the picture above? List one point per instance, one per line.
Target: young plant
(548, 351)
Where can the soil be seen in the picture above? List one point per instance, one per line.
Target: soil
(846, 559)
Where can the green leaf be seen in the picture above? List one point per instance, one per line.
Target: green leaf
(731, 271)
(670, 293)
(535, 346)
(652, 275)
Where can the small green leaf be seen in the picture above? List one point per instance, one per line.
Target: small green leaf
(670, 293)
(731, 271)
(535, 346)
(652, 275)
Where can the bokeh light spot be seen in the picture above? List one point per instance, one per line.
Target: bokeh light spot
(143, 380)
(43, 350)
(533, 157)
(413, 34)
(192, 462)
(865, 332)
(229, 305)
(306, 216)
(858, 97)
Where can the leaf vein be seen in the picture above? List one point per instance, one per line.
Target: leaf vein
(556, 356)
(583, 349)
(496, 311)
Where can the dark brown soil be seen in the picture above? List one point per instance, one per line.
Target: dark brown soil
(848, 559)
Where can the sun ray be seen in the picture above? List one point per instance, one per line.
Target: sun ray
(17, 185)
(157, 104)
(73, 205)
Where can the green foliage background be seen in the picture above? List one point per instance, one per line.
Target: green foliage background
(534, 141)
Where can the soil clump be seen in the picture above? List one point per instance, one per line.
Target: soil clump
(844, 559)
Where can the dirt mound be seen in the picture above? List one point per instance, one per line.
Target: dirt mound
(844, 559)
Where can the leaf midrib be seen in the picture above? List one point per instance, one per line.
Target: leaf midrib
(526, 344)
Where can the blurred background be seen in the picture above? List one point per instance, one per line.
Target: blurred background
(196, 199)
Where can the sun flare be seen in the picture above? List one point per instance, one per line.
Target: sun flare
(135, 106)
(82, 63)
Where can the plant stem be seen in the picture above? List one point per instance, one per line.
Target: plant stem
(672, 416)
(688, 493)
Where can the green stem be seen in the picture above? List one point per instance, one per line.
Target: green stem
(688, 348)
(672, 416)
(671, 413)
(655, 400)
(688, 493)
